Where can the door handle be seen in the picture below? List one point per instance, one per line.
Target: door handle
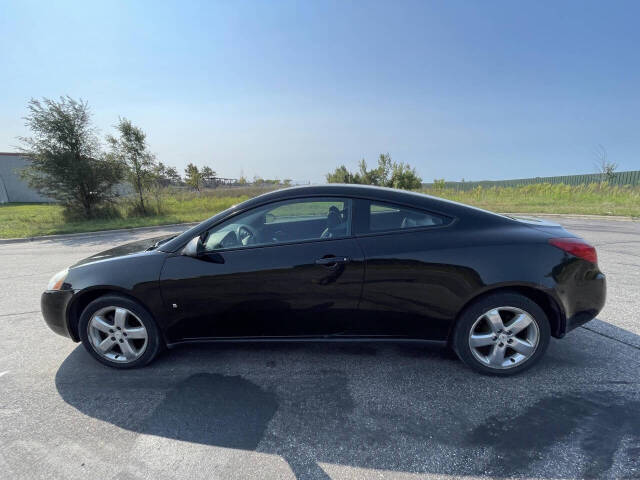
(331, 261)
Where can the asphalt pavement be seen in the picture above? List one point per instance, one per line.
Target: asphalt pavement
(317, 411)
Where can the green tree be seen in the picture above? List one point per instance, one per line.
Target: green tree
(193, 177)
(207, 172)
(208, 176)
(342, 175)
(67, 163)
(379, 176)
(130, 148)
(162, 175)
(405, 177)
(387, 174)
(173, 176)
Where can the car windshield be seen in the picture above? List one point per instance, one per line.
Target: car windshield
(179, 240)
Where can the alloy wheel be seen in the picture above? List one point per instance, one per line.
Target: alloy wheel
(504, 337)
(117, 334)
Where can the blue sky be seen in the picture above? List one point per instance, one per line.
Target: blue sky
(474, 90)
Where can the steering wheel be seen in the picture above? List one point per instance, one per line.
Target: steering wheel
(247, 235)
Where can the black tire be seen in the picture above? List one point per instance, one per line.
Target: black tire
(154, 340)
(467, 319)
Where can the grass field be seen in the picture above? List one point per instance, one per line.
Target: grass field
(27, 220)
(592, 199)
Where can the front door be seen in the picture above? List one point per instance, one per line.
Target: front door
(286, 269)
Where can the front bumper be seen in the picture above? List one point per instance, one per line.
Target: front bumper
(53, 304)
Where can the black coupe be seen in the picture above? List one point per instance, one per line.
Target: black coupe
(336, 262)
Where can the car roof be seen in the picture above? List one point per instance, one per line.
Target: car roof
(343, 189)
(384, 194)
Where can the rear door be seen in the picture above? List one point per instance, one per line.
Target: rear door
(291, 268)
(409, 285)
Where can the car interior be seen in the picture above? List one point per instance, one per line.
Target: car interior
(384, 217)
(288, 222)
(309, 220)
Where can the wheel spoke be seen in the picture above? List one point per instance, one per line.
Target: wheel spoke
(496, 357)
(105, 345)
(101, 324)
(120, 317)
(519, 323)
(495, 320)
(115, 325)
(481, 340)
(523, 347)
(127, 350)
(138, 333)
(519, 337)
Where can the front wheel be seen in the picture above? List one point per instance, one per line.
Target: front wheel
(119, 332)
(502, 334)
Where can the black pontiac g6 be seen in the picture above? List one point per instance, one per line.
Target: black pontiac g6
(336, 262)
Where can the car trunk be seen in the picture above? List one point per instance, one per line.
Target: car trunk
(546, 226)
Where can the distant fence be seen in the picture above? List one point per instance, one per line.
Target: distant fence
(621, 178)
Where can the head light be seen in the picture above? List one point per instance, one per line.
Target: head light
(57, 280)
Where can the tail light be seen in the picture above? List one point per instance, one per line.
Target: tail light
(576, 247)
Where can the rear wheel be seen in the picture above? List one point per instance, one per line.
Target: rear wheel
(119, 332)
(502, 334)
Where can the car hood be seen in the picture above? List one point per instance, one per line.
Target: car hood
(139, 246)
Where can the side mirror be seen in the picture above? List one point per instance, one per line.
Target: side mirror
(194, 248)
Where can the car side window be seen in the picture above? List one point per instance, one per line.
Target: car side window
(287, 221)
(387, 217)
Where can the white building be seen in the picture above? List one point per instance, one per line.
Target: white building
(12, 187)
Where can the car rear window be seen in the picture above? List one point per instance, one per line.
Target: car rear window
(387, 217)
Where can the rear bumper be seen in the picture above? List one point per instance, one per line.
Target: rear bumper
(53, 304)
(583, 300)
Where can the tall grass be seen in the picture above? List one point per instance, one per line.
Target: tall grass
(595, 198)
(27, 220)
(180, 205)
